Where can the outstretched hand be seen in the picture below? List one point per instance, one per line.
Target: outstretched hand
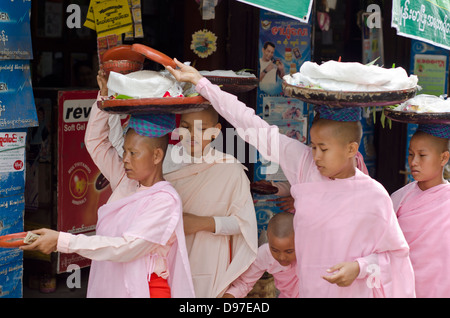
(46, 243)
(184, 73)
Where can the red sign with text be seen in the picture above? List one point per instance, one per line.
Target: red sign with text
(82, 189)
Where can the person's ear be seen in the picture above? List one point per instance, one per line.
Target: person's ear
(445, 156)
(217, 128)
(158, 156)
(353, 148)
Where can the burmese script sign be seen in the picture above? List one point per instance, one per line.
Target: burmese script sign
(427, 21)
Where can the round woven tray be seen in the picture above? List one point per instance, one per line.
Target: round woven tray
(166, 105)
(348, 99)
(417, 118)
(234, 85)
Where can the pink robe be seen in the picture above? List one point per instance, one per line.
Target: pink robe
(153, 215)
(336, 220)
(424, 217)
(217, 187)
(285, 278)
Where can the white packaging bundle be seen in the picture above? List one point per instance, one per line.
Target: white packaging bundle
(143, 84)
(340, 76)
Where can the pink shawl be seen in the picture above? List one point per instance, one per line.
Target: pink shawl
(344, 220)
(152, 215)
(424, 217)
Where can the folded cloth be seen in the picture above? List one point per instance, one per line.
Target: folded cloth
(152, 125)
(143, 84)
(338, 113)
(340, 76)
(437, 130)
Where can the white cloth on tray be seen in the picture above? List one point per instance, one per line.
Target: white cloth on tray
(143, 84)
(351, 76)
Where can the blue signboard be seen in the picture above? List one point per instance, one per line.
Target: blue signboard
(15, 37)
(17, 108)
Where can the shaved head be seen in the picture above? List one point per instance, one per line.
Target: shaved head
(154, 142)
(208, 115)
(281, 225)
(440, 144)
(344, 131)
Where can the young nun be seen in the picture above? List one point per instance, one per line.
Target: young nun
(347, 239)
(277, 257)
(423, 210)
(219, 215)
(286, 201)
(139, 248)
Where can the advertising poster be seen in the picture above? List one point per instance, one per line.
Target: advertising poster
(82, 189)
(12, 181)
(284, 45)
(12, 151)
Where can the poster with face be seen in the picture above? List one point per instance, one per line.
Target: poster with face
(284, 45)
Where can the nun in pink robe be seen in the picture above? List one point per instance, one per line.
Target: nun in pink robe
(214, 185)
(217, 187)
(336, 220)
(139, 231)
(424, 217)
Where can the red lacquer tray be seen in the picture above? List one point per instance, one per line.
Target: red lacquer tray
(153, 55)
(142, 106)
(123, 52)
(12, 240)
